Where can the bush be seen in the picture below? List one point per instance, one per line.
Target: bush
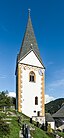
(4, 128)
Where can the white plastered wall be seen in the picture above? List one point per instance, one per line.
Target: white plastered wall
(31, 89)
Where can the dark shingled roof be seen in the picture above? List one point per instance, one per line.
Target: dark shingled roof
(59, 113)
(48, 117)
(29, 42)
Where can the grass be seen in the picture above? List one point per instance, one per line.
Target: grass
(61, 134)
(15, 127)
(38, 133)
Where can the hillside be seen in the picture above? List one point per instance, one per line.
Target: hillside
(11, 126)
(54, 106)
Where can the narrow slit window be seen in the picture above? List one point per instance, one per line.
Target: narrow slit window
(36, 100)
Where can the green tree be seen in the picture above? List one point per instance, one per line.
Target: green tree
(5, 100)
(4, 127)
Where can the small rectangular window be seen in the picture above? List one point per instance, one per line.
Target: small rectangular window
(36, 100)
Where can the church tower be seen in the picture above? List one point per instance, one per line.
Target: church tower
(30, 77)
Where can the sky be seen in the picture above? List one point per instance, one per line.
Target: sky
(48, 23)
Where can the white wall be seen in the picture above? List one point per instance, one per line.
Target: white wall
(52, 124)
(31, 89)
(31, 59)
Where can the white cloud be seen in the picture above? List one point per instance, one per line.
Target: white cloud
(12, 94)
(58, 79)
(48, 98)
(55, 86)
(57, 83)
(2, 76)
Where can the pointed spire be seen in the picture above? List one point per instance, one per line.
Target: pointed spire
(29, 10)
(29, 41)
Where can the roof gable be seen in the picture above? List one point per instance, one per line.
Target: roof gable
(31, 59)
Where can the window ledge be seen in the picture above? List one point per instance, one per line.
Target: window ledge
(32, 81)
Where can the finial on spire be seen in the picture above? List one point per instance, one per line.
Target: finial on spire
(29, 10)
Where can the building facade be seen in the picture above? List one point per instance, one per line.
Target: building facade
(30, 77)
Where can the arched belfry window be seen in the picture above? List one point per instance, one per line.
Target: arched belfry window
(32, 76)
(36, 100)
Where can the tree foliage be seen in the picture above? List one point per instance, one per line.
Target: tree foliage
(54, 106)
(5, 100)
(4, 127)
